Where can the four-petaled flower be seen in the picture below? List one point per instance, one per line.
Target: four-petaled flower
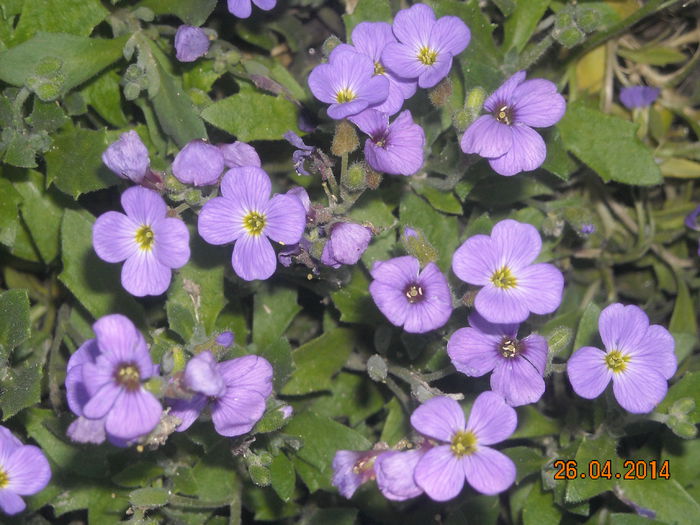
(245, 214)
(502, 264)
(505, 136)
(638, 357)
(463, 451)
(148, 240)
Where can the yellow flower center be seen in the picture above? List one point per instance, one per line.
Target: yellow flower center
(414, 293)
(504, 279)
(379, 69)
(345, 95)
(504, 114)
(463, 444)
(145, 237)
(128, 376)
(617, 361)
(427, 56)
(254, 223)
(4, 479)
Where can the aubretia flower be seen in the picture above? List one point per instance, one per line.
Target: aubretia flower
(348, 83)
(425, 46)
(502, 264)
(346, 244)
(246, 215)
(394, 472)
(237, 390)
(518, 364)
(395, 148)
(505, 136)
(24, 470)
(352, 468)
(243, 8)
(190, 43)
(463, 452)
(198, 163)
(148, 240)
(128, 157)
(419, 301)
(239, 154)
(638, 96)
(638, 357)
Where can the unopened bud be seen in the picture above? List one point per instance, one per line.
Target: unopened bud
(559, 339)
(354, 178)
(416, 244)
(260, 475)
(377, 368)
(330, 44)
(682, 427)
(587, 18)
(440, 94)
(373, 179)
(179, 359)
(683, 406)
(345, 139)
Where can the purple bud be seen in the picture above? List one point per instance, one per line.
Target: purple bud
(225, 339)
(190, 43)
(203, 376)
(198, 163)
(128, 157)
(347, 242)
(409, 232)
(587, 229)
(638, 96)
(239, 154)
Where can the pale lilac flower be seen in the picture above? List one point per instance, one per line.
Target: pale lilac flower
(239, 154)
(587, 229)
(352, 468)
(113, 380)
(190, 43)
(348, 83)
(394, 472)
(463, 452)
(198, 163)
(346, 244)
(245, 214)
(24, 470)
(638, 96)
(425, 46)
(243, 8)
(225, 339)
(502, 264)
(237, 390)
(505, 136)
(148, 240)
(83, 430)
(518, 364)
(419, 301)
(395, 148)
(128, 157)
(638, 357)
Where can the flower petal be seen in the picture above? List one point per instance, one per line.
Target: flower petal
(528, 152)
(518, 381)
(323, 84)
(369, 38)
(394, 471)
(250, 372)
(450, 34)
(439, 418)
(84, 430)
(434, 73)
(588, 373)
(537, 103)
(497, 305)
(518, 243)
(114, 237)
(402, 61)
(221, 221)
(28, 470)
(487, 137)
(491, 419)
(391, 301)
(11, 503)
(240, 8)
(117, 336)
(473, 352)
(375, 90)
(253, 258)
(143, 274)
(397, 272)
(489, 471)
(248, 187)
(540, 287)
(440, 474)
(503, 95)
(172, 242)
(657, 349)
(639, 388)
(413, 26)
(285, 219)
(187, 410)
(143, 205)
(237, 414)
(476, 260)
(103, 400)
(133, 414)
(202, 375)
(623, 327)
(535, 348)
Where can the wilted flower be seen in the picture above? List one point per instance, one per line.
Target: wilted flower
(24, 471)
(518, 364)
(301, 153)
(128, 157)
(638, 357)
(148, 240)
(442, 470)
(348, 83)
(502, 263)
(638, 96)
(395, 148)
(419, 301)
(190, 43)
(239, 154)
(505, 137)
(346, 244)
(245, 214)
(198, 163)
(394, 472)
(425, 46)
(243, 8)
(352, 468)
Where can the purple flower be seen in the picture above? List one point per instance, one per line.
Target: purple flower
(348, 83)
(370, 38)
(24, 470)
(83, 430)
(346, 244)
(113, 367)
(246, 215)
(587, 229)
(638, 357)
(225, 339)
(394, 472)
(128, 157)
(419, 301)
(352, 468)
(425, 45)
(442, 470)
(243, 8)
(638, 96)
(148, 240)
(190, 43)
(502, 263)
(518, 364)
(237, 390)
(395, 148)
(198, 163)
(239, 154)
(505, 137)
(301, 153)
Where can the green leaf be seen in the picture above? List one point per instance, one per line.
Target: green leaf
(666, 498)
(587, 327)
(335, 515)
(558, 161)
(8, 212)
(318, 360)
(104, 95)
(279, 354)
(192, 12)
(149, 497)
(599, 449)
(75, 17)
(444, 201)
(95, 283)
(520, 26)
(528, 461)
(396, 425)
(274, 309)
(215, 476)
(367, 11)
(608, 145)
(353, 396)
(531, 423)
(253, 116)
(540, 508)
(353, 302)
(78, 59)
(684, 318)
(283, 477)
(687, 386)
(654, 56)
(632, 519)
(138, 474)
(14, 321)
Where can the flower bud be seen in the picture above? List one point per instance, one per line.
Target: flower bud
(346, 244)
(377, 368)
(128, 157)
(190, 43)
(225, 339)
(329, 45)
(354, 178)
(239, 154)
(440, 94)
(198, 163)
(345, 139)
(373, 179)
(417, 245)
